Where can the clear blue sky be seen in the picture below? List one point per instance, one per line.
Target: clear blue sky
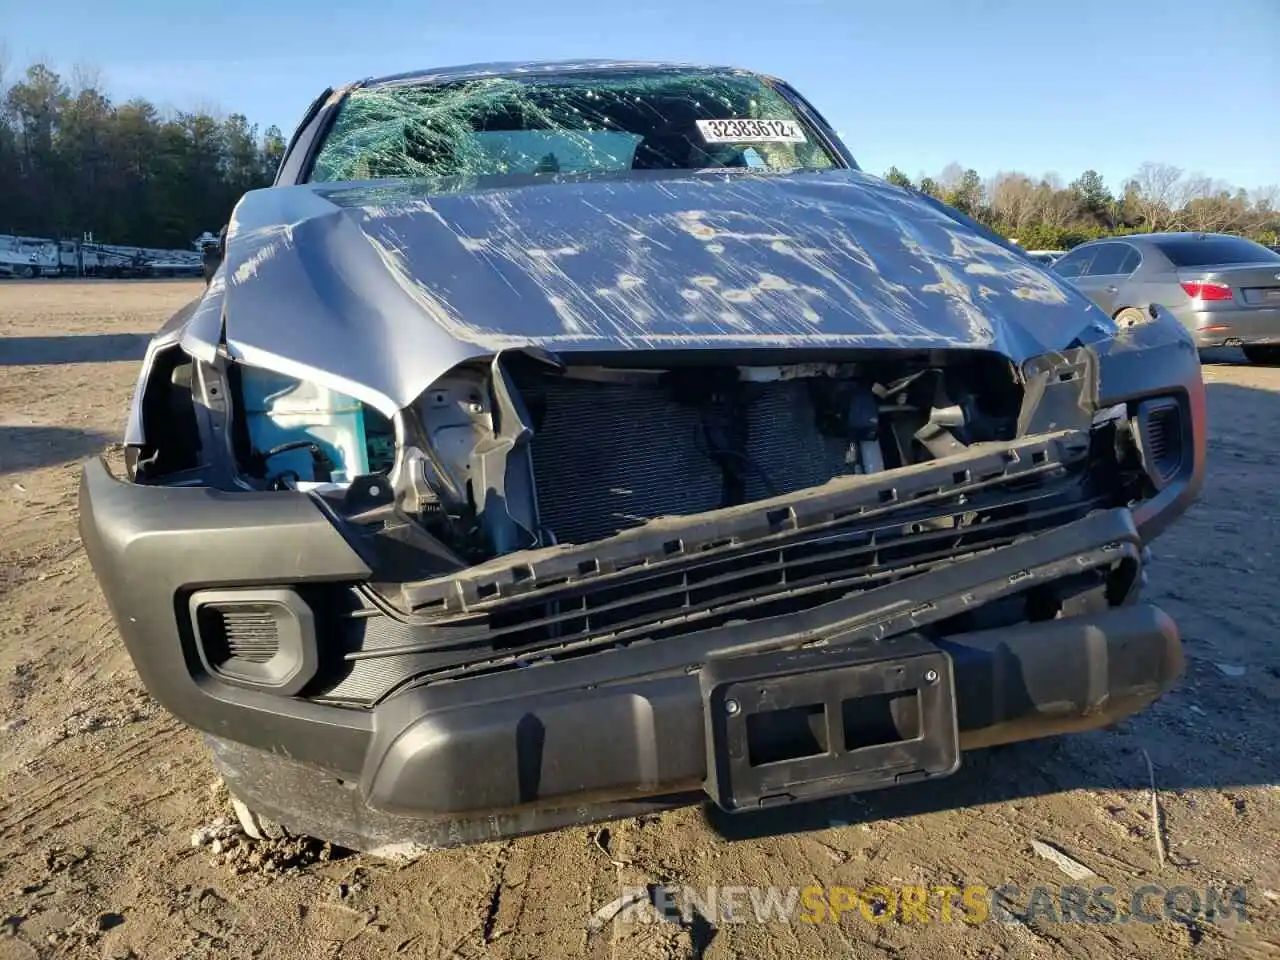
(1034, 85)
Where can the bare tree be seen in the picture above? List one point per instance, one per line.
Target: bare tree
(210, 108)
(1157, 195)
(85, 76)
(1013, 200)
(1054, 206)
(1053, 180)
(1210, 214)
(950, 177)
(1265, 199)
(1196, 186)
(1209, 205)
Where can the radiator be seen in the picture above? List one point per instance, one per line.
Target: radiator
(608, 456)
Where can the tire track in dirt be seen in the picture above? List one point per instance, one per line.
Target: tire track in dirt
(75, 784)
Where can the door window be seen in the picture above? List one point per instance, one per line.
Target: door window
(1132, 259)
(1074, 264)
(1108, 260)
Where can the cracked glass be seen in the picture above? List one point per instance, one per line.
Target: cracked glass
(475, 130)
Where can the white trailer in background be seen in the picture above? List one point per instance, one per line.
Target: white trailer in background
(31, 257)
(78, 259)
(28, 257)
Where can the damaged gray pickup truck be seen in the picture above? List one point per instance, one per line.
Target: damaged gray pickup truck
(560, 442)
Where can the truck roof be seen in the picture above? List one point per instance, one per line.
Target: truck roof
(524, 68)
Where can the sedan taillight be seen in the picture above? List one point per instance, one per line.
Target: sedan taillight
(1206, 290)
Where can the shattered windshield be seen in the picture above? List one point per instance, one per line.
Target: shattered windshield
(581, 123)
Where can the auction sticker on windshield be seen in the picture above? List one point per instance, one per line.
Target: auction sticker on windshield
(751, 131)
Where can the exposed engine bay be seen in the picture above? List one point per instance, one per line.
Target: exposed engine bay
(612, 448)
(525, 452)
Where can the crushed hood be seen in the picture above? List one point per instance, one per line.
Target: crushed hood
(379, 289)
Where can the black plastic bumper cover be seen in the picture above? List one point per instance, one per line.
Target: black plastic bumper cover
(632, 723)
(149, 546)
(556, 759)
(619, 724)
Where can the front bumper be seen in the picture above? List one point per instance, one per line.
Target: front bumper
(622, 730)
(553, 756)
(436, 762)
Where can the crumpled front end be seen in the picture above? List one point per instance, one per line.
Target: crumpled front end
(378, 289)
(538, 586)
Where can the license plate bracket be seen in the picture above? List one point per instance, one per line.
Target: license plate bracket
(791, 726)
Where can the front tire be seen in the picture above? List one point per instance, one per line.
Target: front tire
(256, 827)
(1263, 355)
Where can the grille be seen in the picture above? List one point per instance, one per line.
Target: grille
(769, 582)
(361, 627)
(607, 457)
(246, 632)
(661, 590)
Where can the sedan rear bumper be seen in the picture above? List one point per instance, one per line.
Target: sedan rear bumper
(1234, 328)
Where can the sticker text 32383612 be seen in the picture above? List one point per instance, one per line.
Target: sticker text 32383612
(751, 131)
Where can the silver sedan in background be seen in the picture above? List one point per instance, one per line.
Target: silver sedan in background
(1224, 289)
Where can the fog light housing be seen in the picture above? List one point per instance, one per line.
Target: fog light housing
(1163, 434)
(256, 638)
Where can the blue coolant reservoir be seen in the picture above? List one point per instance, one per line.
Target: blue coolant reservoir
(281, 410)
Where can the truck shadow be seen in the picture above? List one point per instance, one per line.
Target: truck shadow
(31, 448)
(1223, 356)
(1101, 761)
(1212, 730)
(84, 348)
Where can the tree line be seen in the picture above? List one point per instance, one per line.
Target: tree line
(1046, 214)
(73, 161)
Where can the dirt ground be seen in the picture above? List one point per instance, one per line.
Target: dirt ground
(101, 790)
